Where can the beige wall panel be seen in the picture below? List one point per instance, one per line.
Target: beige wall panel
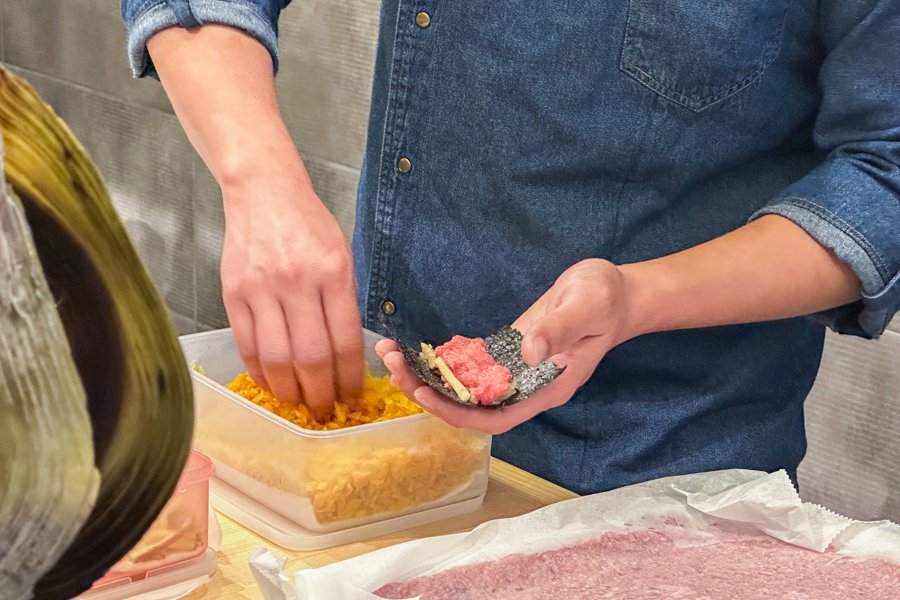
(336, 186)
(895, 324)
(325, 82)
(80, 41)
(853, 425)
(184, 325)
(209, 229)
(144, 158)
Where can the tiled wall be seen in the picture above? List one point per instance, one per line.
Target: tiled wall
(73, 53)
(853, 426)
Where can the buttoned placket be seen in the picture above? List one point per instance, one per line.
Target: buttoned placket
(395, 163)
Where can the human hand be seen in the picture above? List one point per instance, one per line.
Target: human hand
(289, 290)
(287, 276)
(575, 323)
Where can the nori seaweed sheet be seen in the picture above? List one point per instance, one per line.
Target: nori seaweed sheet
(505, 347)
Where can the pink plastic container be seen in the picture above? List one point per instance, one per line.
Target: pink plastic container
(180, 532)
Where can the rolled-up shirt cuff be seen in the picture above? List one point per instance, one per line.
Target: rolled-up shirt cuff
(870, 316)
(159, 16)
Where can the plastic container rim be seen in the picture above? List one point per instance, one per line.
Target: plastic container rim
(203, 470)
(314, 433)
(272, 417)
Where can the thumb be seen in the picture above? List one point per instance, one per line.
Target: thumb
(552, 334)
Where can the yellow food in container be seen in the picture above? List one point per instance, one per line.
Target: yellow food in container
(361, 481)
(380, 401)
(377, 464)
(358, 480)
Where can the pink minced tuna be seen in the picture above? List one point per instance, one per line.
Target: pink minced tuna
(475, 369)
(649, 566)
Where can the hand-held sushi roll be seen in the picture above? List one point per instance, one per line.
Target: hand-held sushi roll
(490, 372)
(466, 366)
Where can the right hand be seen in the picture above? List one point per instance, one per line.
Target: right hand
(289, 289)
(287, 278)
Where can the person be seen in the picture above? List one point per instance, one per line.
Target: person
(672, 198)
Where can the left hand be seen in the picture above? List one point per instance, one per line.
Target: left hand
(575, 323)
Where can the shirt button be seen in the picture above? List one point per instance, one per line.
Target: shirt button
(423, 20)
(403, 165)
(388, 307)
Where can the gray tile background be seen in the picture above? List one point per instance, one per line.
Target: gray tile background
(73, 52)
(853, 426)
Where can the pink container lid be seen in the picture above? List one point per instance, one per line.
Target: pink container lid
(198, 469)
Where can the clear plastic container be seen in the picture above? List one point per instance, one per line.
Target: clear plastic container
(328, 481)
(166, 583)
(178, 538)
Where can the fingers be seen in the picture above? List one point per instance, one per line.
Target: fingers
(345, 332)
(534, 348)
(382, 347)
(313, 363)
(303, 348)
(492, 421)
(587, 300)
(551, 335)
(552, 324)
(287, 272)
(402, 375)
(241, 320)
(308, 351)
(274, 349)
(576, 322)
(567, 319)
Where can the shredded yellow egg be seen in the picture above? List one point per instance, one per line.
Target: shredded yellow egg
(347, 483)
(380, 401)
(354, 477)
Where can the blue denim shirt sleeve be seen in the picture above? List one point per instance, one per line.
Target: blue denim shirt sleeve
(144, 18)
(851, 202)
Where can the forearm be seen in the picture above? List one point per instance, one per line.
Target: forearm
(769, 269)
(287, 279)
(221, 85)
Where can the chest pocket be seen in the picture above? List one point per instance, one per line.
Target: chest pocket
(697, 53)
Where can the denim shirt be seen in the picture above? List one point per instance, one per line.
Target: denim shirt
(539, 134)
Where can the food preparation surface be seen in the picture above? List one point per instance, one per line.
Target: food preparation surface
(511, 492)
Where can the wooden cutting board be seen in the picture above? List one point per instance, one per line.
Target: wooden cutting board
(511, 492)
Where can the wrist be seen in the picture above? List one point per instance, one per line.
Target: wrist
(644, 289)
(248, 160)
(265, 181)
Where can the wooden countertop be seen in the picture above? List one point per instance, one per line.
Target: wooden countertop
(511, 492)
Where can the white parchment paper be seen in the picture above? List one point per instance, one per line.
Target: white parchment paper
(699, 509)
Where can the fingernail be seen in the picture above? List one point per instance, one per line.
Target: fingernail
(539, 349)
